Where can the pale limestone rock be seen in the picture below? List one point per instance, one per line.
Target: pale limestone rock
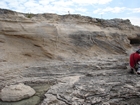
(62, 37)
(16, 92)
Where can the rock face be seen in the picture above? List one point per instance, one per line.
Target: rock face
(27, 37)
(16, 92)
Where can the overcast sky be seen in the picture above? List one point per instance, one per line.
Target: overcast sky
(106, 9)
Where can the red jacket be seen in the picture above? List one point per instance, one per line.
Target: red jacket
(134, 59)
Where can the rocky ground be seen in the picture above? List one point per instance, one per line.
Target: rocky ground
(102, 81)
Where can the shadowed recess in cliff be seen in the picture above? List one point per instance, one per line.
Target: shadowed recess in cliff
(135, 41)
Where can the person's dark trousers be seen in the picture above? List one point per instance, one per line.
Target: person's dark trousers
(131, 71)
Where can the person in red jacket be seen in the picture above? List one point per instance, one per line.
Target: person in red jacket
(134, 59)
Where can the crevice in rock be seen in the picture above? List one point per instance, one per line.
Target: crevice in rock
(2, 41)
(134, 41)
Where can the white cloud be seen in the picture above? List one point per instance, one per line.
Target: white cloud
(91, 1)
(134, 20)
(136, 10)
(62, 3)
(81, 10)
(57, 6)
(13, 4)
(45, 2)
(109, 9)
(116, 10)
(31, 4)
(3, 5)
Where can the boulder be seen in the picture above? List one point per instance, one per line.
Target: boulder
(16, 92)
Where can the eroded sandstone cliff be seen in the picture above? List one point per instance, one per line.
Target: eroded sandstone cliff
(26, 37)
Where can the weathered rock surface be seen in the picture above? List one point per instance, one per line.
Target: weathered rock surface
(16, 92)
(29, 37)
(83, 59)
